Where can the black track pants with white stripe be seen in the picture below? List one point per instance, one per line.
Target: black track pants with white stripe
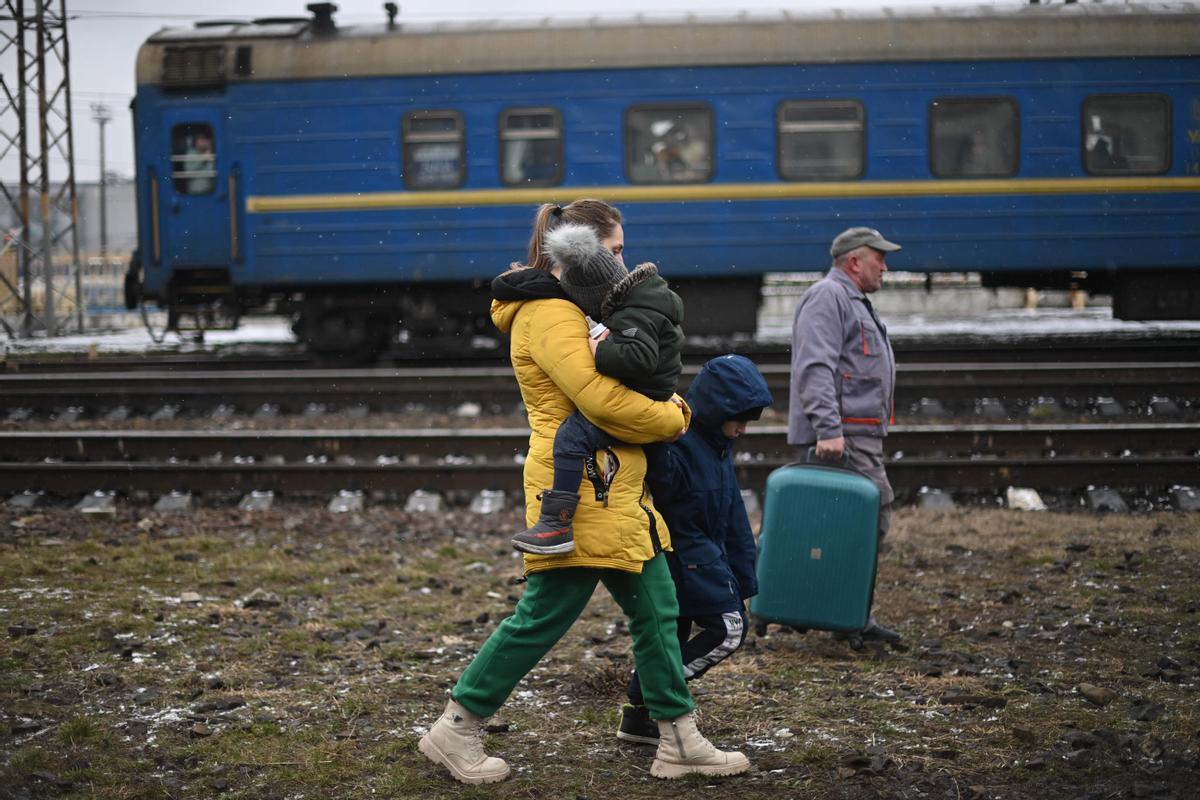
(719, 636)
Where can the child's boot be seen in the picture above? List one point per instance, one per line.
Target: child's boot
(636, 725)
(683, 751)
(553, 534)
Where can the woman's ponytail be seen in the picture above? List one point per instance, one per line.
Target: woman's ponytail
(547, 219)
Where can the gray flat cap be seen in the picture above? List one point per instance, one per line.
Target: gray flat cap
(854, 238)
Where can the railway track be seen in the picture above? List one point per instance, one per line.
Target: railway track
(395, 389)
(1060, 348)
(978, 457)
(767, 441)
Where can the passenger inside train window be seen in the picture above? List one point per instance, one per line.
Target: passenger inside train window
(975, 158)
(193, 159)
(676, 150)
(531, 148)
(669, 144)
(973, 137)
(1103, 158)
(1126, 134)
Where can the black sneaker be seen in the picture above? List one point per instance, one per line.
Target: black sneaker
(871, 632)
(636, 725)
(878, 633)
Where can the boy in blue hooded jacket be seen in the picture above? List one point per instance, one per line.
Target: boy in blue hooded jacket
(695, 489)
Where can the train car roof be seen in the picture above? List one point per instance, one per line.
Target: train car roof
(296, 48)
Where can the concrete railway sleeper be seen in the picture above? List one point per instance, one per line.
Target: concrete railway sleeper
(1162, 458)
(484, 445)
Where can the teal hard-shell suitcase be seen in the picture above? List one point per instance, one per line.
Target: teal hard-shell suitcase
(816, 558)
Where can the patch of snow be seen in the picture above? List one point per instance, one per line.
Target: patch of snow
(258, 330)
(28, 593)
(1000, 323)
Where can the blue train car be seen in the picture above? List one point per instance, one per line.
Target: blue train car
(371, 180)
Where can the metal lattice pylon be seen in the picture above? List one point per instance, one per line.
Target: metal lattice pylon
(33, 34)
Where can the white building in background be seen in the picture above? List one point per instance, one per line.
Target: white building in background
(102, 280)
(122, 218)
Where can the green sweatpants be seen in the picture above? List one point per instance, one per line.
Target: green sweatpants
(553, 600)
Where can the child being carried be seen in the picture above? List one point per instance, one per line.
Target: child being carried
(641, 347)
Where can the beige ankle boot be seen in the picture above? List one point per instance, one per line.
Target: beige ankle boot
(683, 751)
(456, 742)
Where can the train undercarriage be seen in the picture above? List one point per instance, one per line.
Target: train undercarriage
(359, 323)
(368, 322)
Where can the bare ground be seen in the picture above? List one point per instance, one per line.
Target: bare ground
(300, 654)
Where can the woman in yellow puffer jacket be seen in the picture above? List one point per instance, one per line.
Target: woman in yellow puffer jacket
(618, 544)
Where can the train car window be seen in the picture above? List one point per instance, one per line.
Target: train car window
(434, 150)
(820, 139)
(973, 137)
(531, 147)
(669, 144)
(193, 158)
(1126, 134)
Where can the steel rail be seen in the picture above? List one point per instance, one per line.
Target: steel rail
(1067, 472)
(769, 441)
(391, 388)
(1067, 349)
(40, 363)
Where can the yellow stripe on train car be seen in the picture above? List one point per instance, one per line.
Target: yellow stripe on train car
(264, 204)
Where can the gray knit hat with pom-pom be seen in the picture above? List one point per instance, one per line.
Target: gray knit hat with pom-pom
(589, 269)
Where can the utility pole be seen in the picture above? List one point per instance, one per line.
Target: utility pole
(44, 180)
(45, 73)
(102, 116)
(16, 133)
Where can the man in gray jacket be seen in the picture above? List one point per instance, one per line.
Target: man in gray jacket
(844, 372)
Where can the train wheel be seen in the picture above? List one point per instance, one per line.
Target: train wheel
(344, 333)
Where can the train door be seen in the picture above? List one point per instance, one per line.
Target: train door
(193, 196)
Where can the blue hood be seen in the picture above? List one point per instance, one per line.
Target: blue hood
(725, 387)
(695, 486)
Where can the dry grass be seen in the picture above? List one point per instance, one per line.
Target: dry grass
(113, 685)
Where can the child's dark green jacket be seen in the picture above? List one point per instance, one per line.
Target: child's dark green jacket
(645, 347)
